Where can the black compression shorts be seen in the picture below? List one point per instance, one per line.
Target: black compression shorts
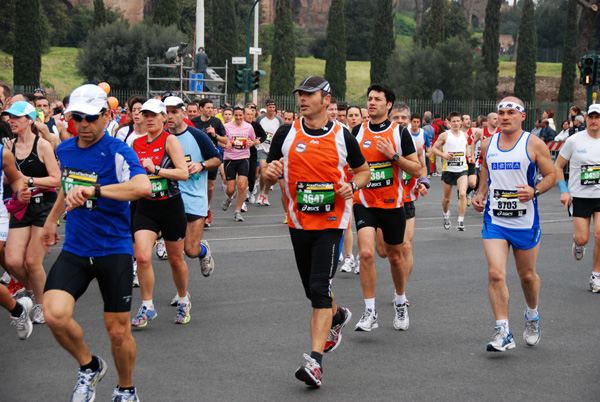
(166, 216)
(234, 168)
(391, 221)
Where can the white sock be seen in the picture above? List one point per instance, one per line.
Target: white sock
(531, 313)
(503, 323)
(596, 274)
(370, 304)
(447, 214)
(148, 303)
(461, 218)
(183, 300)
(400, 299)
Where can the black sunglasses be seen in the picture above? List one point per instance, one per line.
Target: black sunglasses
(90, 118)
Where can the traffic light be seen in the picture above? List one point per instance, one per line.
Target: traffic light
(588, 70)
(255, 79)
(239, 80)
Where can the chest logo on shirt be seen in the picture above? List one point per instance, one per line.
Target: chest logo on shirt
(156, 150)
(314, 141)
(367, 144)
(301, 147)
(506, 165)
(581, 151)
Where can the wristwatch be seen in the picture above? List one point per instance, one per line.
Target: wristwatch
(395, 157)
(203, 165)
(156, 170)
(354, 186)
(536, 192)
(30, 182)
(97, 190)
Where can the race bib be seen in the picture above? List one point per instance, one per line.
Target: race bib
(457, 160)
(406, 177)
(590, 174)
(160, 187)
(269, 137)
(382, 174)
(239, 142)
(315, 197)
(74, 177)
(505, 203)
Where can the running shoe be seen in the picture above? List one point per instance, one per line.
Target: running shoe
(225, 204)
(15, 287)
(207, 264)
(401, 320)
(348, 264)
(578, 251)
(252, 198)
(595, 283)
(161, 250)
(175, 300)
(259, 200)
(144, 315)
(5, 279)
(38, 314)
(357, 265)
(310, 372)
(136, 280)
(266, 201)
(244, 207)
(85, 390)
(469, 199)
(367, 322)
(23, 322)
(446, 223)
(335, 333)
(532, 333)
(208, 219)
(460, 226)
(502, 341)
(237, 216)
(183, 313)
(285, 220)
(124, 396)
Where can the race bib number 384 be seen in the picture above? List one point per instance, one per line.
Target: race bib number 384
(75, 177)
(315, 197)
(382, 174)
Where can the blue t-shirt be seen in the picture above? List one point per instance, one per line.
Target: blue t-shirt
(102, 226)
(197, 147)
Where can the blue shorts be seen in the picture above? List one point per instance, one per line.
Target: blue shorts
(519, 239)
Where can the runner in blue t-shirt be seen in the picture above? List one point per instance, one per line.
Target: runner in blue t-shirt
(100, 174)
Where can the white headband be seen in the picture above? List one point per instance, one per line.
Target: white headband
(511, 105)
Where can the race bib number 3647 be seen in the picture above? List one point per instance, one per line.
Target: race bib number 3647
(315, 197)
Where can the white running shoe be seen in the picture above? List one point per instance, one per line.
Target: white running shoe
(252, 198)
(460, 226)
(207, 264)
(161, 250)
(401, 317)
(5, 279)
(595, 283)
(259, 200)
(502, 341)
(38, 314)
(23, 322)
(367, 322)
(578, 251)
(225, 204)
(237, 216)
(447, 223)
(265, 201)
(532, 333)
(85, 390)
(357, 265)
(244, 207)
(348, 264)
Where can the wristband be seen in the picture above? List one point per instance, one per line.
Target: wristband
(562, 185)
(424, 181)
(97, 193)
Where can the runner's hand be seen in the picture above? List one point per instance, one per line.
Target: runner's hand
(565, 198)
(525, 192)
(274, 170)
(24, 194)
(477, 203)
(49, 236)
(78, 195)
(345, 190)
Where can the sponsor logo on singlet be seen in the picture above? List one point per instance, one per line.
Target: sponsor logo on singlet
(506, 165)
(301, 147)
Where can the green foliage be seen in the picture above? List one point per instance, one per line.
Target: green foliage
(550, 19)
(166, 12)
(335, 64)
(382, 48)
(451, 67)
(454, 21)
(57, 21)
(302, 40)
(117, 54)
(491, 47)
(405, 25)
(359, 31)
(509, 20)
(27, 56)
(283, 65)
(223, 40)
(436, 30)
(526, 54)
(566, 93)
(99, 14)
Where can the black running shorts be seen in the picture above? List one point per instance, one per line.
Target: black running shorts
(234, 168)
(451, 178)
(391, 221)
(585, 207)
(166, 216)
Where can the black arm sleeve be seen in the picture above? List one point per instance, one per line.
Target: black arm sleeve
(259, 131)
(355, 157)
(219, 128)
(406, 142)
(356, 129)
(277, 142)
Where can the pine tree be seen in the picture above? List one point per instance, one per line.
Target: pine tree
(436, 27)
(335, 54)
(384, 40)
(526, 54)
(166, 12)
(283, 67)
(224, 42)
(27, 56)
(99, 14)
(566, 93)
(491, 46)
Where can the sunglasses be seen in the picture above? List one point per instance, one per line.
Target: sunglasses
(89, 118)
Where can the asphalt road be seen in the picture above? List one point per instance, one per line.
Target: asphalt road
(250, 325)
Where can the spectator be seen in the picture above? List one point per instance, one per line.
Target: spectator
(564, 134)
(548, 133)
(537, 131)
(201, 61)
(549, 115)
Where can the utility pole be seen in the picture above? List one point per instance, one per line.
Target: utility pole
(247, 69)
(255, 65)
(199, 24)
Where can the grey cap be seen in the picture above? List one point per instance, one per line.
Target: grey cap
(313, 84)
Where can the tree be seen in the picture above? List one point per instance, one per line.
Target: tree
(283, 67)
(566, 93)
(359, 29)
(382, 48)
(99, 14)
(436, 23)
(526, 54)
(491, 46)
(455, 23)
(335, 61)
(27, 56)
(167, 12)
(222, 37)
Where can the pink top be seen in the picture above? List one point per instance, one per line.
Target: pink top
(240, 138)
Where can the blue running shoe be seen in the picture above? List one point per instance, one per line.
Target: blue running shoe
(144, 315)
(502, 341)
(124, 396)
(85, 390)
(183, 313)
